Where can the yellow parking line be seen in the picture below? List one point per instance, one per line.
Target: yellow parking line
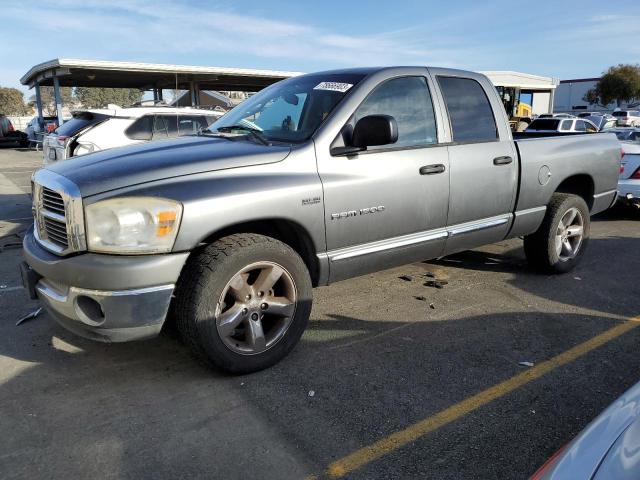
(401, 438)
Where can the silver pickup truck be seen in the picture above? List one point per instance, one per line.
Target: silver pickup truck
(315, 179)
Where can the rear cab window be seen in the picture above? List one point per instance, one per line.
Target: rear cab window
(470, 113)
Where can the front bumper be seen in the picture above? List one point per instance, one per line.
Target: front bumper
(108, 298)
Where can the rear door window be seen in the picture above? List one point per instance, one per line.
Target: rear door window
(191, 124)
(470, 112)
(165, 126)
(141, 129)
(566, 125)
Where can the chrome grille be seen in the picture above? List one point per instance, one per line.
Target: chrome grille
(57, 208)
(56, 232)
(52, 201)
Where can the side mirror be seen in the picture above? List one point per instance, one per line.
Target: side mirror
(374, 130)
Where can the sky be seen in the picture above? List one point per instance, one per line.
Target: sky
(562, 38)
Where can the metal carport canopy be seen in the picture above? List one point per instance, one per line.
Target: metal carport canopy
(147, 76)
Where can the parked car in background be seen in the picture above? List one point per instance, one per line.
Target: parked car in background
(602, 122)
(588, 114)
(315, 179)
(628, 118)
(33, 128)
(556, 115)
(629, 183)
(607, 449)
(626, 133)
(561, 124)
(9, 135)
(6, 126)
(93, 130)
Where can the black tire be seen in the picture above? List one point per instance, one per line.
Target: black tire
(202, 283)
(540, 247)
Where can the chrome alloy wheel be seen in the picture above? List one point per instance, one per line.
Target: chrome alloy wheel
(256, 308)
(569, 234)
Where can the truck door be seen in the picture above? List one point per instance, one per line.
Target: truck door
(483, 164)
(388, 205)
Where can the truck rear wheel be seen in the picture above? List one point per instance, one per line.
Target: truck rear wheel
(243, 302)
(561, 240)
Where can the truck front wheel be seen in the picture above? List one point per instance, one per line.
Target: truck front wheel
(243, 302)
(561, 240)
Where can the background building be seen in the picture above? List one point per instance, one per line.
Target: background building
(570, 97)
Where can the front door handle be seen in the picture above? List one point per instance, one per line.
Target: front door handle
(432, 169)
(506, 160)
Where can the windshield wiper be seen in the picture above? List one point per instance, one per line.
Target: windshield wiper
(253, 132)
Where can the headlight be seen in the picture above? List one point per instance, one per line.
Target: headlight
(129, 225)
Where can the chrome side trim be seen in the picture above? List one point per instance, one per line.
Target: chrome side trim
(397, 242)
(529, 211)
(604, 194)
(414, 238)
(481, 225)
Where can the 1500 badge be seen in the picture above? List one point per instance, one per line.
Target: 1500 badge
(355, 213)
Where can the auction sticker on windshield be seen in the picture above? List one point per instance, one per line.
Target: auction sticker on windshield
(333, 86)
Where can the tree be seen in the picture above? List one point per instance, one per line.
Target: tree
(12, 101)
(101, 97)
(620, 84)
(48, 99)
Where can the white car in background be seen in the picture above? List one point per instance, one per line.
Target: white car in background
(628, 118)
(561, 124)
(93, 130)
(629, 183)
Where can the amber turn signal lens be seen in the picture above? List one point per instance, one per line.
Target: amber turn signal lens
(166, 222)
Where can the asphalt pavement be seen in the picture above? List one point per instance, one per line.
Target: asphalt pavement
(393, 379)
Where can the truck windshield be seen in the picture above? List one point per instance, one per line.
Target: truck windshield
(291, 110)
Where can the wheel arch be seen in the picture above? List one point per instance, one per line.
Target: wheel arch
(581, 184)
(285, 230)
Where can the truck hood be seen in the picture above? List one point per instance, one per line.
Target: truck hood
(121, 167)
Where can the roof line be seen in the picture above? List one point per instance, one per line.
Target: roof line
(149, 67)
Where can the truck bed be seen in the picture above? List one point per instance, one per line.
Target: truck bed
(548, 161)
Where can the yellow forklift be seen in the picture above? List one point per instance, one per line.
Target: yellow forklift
(519, 113)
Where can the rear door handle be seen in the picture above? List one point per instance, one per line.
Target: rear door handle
(502, 160)
(432, 169)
